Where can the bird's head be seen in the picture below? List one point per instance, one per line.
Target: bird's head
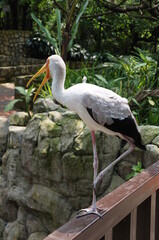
(54, 67)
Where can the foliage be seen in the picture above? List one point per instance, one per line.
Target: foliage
(64, 41)
(136, 169)
(135, 76)
(38, 46)
(26, 96)
(76, 24)
(105, 26)
(46, 91)
(78, 53)
(47, 34)
(129, 76)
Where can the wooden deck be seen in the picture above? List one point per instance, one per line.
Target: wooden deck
(131, 212)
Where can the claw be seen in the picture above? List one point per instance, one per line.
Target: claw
(88, 211)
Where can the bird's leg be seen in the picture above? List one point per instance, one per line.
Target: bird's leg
(93, 209)
(102, 173)
(95, 167)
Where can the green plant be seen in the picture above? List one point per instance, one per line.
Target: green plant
(64, 40)
(46, 91)
(136, 169)
(47, 34)
(26, 96)
(38, 47)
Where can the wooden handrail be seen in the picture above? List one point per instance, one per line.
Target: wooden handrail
(117, 205)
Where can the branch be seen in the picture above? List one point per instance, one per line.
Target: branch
(59, 6)
(151, 18)
(152, 10)
(118, 9)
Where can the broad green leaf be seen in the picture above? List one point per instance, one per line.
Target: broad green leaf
(10, 105)
(135, 101)
(119, 79)
(140, 65)
(129, 176)
(72, 38)
(100, 77)
(30, 90)
(21, 90)
(50, 39)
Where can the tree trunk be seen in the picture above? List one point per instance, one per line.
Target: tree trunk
(65, 42)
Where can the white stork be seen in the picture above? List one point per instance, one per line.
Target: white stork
(101, 109)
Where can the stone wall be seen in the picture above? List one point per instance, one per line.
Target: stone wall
(12, 43)
(46, 170)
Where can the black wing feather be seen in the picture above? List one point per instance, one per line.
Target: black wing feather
(126, 127)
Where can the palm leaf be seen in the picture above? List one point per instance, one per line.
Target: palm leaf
(21, 90)
(10, 105)
(76, 23)
(46, 33)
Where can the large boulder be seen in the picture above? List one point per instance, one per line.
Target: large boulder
(46, 169)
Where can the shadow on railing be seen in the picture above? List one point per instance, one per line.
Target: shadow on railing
(131, 213)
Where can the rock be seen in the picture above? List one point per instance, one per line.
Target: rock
(55, 116)
(2, 226)
(43, 199)
(34, 224)
(110, 144)
(115, 182)
(33, 128)
(22, 215)
(8, 209)
(18, 192)
(71, 128)
(19, 119)
(11, 165)
(124, 168)
(136, 156)
(80, 202)
(46, 171)
(37, 236)
(83, 142)
(156, 141)
(15, 136)
(149, 133)
(72, 167)
(44, 105)
(3, 135)
(49, 129)
(15, 231)
(151, 155)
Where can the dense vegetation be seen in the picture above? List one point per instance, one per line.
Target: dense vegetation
(115, 40)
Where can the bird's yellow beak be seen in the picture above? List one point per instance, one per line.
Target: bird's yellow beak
(44, 68)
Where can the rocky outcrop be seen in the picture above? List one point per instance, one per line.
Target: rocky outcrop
(46, 170)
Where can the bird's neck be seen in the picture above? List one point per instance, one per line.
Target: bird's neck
(58, 89)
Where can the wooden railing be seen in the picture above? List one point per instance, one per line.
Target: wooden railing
(131, 212)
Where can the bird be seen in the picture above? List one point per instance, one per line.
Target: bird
(100, 109)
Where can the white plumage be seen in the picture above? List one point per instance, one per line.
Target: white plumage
(101, 109)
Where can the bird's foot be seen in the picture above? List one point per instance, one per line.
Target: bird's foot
(88, 211)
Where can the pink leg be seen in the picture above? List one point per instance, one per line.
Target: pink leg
(97, 178)
(102, 173)
(93, 209)
(95, 167)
